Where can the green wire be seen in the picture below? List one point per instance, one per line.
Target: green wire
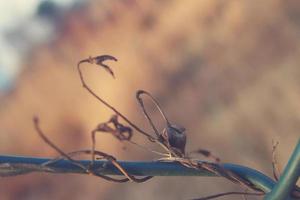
(14, 165)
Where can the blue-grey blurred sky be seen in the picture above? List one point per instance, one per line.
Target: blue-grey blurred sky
(20, 29)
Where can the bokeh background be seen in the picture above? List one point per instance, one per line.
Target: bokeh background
(226, 70)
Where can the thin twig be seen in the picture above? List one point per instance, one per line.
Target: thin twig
(88, 170)
(99, 60)
(275, 168)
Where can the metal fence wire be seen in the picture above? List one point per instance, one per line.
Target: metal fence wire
(284, 189)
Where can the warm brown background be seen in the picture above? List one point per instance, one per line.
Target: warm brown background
(226, 70)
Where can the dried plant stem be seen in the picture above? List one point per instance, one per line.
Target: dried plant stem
(85, 86)
(88, 169)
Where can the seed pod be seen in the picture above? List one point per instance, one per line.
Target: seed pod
(176, 137)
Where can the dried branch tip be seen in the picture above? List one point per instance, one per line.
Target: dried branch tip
(99, 60)
(175, 137)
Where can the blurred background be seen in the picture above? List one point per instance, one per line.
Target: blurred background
(226, 70)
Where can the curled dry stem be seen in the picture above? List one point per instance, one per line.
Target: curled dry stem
(88, 170)
(172, 140)
(274, 161)
(99, 61)
(118, 130)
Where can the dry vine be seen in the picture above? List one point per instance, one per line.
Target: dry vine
(172, 140)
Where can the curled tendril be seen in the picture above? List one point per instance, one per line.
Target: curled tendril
(89, 170)
(99, 61)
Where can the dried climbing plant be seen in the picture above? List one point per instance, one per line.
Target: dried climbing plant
(172, 140)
